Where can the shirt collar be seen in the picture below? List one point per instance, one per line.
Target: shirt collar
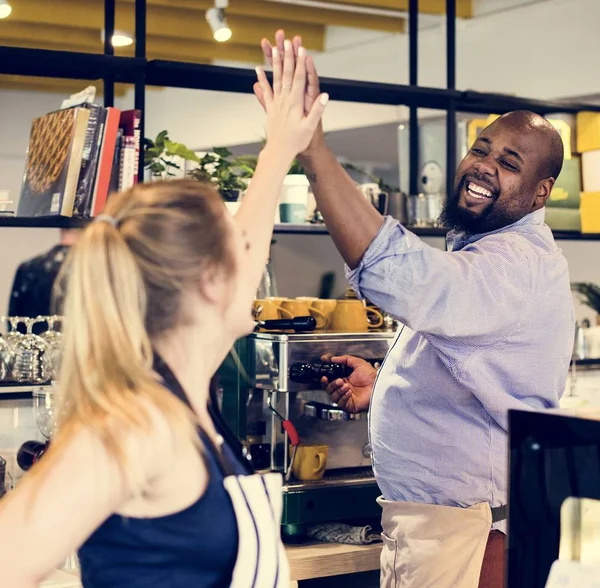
(456, 240)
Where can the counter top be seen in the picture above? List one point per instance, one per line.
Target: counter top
(308, 560)
(319, 560)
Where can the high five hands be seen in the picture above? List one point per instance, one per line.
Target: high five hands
(278, 55)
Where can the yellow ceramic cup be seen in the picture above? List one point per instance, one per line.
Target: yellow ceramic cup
(277, 299)
(351, 316)
(302, 308)
(325, 306)
(270, 310)
(310, 461)
(308, 299)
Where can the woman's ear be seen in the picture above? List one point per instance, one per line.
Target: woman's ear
(214, 284)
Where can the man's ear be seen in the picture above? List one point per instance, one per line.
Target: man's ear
(543, 192)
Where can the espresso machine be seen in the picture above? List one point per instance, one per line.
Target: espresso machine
(272, 377)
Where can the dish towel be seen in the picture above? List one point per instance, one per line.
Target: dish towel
(342, 533)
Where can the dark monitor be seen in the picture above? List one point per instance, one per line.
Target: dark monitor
(551, 457)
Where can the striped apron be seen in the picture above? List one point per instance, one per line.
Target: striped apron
(258, 502)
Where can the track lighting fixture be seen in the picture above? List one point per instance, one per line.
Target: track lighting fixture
(5, 9)
(218, 22)
(119, 38)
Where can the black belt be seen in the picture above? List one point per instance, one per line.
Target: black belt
(499, 513)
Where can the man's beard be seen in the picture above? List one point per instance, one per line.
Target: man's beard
(455, 217)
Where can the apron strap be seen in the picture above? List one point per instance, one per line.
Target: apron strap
(499, 513)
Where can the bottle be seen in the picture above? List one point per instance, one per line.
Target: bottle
(311, 373)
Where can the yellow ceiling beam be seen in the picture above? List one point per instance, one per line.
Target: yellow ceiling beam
(464, 8)
(162, 20)
(32, 34)
(157, 47)
(65, 87)
(282, 12)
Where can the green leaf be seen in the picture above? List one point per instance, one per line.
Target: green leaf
(222, 152)
(180, 150)
(589, 294)
(157, 168)
(154, 151)
(161, 139)
(170, 163)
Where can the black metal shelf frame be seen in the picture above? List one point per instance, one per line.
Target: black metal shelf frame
(142, 72)
(63, 222)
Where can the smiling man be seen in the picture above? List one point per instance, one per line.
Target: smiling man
(489, 326)
(528, 152)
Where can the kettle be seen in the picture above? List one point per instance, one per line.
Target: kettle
(377, 197)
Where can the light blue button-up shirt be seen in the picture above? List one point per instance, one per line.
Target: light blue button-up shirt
(489, 327)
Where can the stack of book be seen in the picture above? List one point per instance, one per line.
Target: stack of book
(77, 156)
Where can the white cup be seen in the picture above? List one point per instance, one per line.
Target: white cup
(293, 199)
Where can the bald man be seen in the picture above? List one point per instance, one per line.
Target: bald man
(488, 327)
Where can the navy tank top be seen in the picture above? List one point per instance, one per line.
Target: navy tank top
(197, 546)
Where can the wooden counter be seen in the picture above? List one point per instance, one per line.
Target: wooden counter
(307, 561)
(319, 560)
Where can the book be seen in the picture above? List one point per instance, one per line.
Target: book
(130, 123)
(53, 163)
(105, 161)
(127, 165)
(89, 163)
(116, 166)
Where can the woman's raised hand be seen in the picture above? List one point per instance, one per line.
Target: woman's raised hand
(289, 128)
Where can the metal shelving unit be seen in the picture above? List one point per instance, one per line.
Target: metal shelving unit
(142, 72)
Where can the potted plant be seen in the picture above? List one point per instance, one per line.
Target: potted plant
(160, 156)
(589, 294)
(227, 174)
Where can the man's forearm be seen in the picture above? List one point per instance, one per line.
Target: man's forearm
(352, 221)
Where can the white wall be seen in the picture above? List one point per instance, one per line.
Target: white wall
(205, 119)
(541, 50)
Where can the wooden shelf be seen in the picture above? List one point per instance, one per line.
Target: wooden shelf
(320, 560)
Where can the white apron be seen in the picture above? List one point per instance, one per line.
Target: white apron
(431, 546)
(258, 503)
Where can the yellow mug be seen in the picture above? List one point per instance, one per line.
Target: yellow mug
(302, 308)
(307, 299)
(325, 306)
(351, 316)
(276, 299)
(269, 310)
(310, 461)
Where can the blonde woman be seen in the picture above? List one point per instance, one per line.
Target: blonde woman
(159, 288)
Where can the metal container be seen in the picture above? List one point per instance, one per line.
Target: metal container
(397, 206)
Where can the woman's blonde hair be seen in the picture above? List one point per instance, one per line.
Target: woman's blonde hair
(124, 284)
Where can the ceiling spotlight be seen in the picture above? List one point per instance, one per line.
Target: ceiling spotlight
(217, 21)
(5, 9)
(119, 39)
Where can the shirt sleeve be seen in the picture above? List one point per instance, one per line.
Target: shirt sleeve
(482, 290)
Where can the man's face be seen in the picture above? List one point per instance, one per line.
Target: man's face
(497, 183)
